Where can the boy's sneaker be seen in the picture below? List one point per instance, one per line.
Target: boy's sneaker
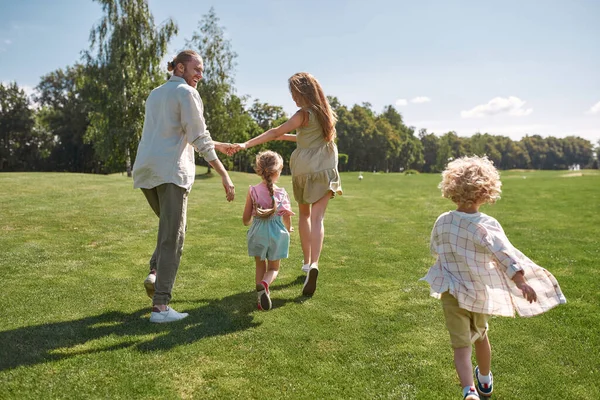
(305, 268)
(471, 394)
(264, 298)
(484, 389)
(310, 283)
(149, 284)
(169, 315)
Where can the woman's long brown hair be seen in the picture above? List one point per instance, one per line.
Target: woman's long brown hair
(309, 93)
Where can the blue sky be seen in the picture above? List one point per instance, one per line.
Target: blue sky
(503, 67)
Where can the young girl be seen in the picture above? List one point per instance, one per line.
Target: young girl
(315, 177)
(478, 272)
(268, 209)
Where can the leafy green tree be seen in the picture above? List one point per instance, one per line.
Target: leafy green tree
(265, 114)
(216, 88)
(485, 145)
(596, 161)
(555, 157)
(537, 150)
(397, 152)
(411, 154)
(451, 146)
(23, 142)
(406, 150)
(126, 49)
(430, 145)
(579, 151)
(356, 130)
(265, 117)
(64, 113)
(513, 154)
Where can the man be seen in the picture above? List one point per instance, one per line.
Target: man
(164, 169)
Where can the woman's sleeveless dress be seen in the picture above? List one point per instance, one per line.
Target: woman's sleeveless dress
(314, 164)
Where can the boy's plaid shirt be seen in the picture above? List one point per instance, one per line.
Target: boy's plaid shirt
(476, 263)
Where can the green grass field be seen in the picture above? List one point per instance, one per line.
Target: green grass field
(74, 322)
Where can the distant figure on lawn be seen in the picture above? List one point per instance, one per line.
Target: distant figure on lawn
(479, 273)
(164, 169)
(269, 211)
(314, 166)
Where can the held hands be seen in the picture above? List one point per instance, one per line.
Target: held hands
(527, 290)
(223, 147)
(230, 148)
(235, 147)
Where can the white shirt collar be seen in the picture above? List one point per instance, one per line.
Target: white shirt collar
(176, 78)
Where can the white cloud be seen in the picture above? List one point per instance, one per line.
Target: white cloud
(401, 102)
(421, 99)
(7, 41)
(499, 105)
(595, 109)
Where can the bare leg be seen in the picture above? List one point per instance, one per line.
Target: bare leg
(272, 271)
(261, 269)
(464, 367)
(483, 355)
(263, 278)
(304, 226)
(317, 233)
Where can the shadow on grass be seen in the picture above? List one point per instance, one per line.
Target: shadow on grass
(51, 342)
(206, 175)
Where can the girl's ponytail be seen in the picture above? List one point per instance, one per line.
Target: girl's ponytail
(268, 164)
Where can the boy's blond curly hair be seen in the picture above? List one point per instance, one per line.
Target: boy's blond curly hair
(471, 180)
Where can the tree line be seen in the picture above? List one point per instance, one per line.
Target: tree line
(88, 117)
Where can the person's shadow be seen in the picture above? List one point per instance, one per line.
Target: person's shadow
(50, 342)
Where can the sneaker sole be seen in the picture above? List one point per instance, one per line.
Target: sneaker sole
(166, 321)
(149, 286)
(265, 300)
(311, 282)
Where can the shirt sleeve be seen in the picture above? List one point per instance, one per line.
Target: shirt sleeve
(285, 206)
(498, 244)
(433, 238)
(194, 126)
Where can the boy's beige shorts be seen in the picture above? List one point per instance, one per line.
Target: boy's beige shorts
(465, 327)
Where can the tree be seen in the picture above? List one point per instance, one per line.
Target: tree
(23, 145)
(266, 116)
(64, 113)
(513, 154)
(411, 155)
(430, 145)
(578, 151)
(596, 160)
(216, 88)
(356, 130)
(451, 146)
(126, 49)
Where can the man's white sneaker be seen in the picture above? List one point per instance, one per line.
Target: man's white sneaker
(149, 284)
(305, 268)
(169, 315)
(310, 283)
